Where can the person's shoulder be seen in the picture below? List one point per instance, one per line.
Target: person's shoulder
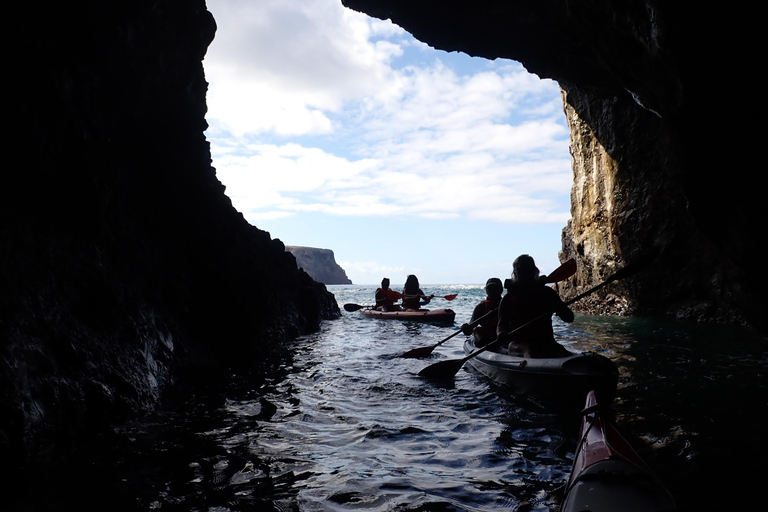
(550, 293)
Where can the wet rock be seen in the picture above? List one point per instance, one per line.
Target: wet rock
(122, 262)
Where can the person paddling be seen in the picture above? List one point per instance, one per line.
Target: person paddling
(527, 299)
(486, 314)
(385, 298)
(413, 295)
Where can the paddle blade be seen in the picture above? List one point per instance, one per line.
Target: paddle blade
(443, 370)
(353, 307)
(451, 297)
(562, 272)
(418, 353)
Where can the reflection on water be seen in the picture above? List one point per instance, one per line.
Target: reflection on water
(344, 424)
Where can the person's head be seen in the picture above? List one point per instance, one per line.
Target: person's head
(385, 283)
(411, 282)
(493, 287)
(524, 269)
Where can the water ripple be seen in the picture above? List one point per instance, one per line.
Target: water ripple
(343, 424)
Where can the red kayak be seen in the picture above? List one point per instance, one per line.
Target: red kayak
(607, 474)
(440, 316)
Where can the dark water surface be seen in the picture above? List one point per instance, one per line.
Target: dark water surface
(343, 424)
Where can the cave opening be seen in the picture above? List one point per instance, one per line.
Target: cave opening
(335, 130)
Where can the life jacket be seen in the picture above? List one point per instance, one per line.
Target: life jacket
(491, 321)
(386, 297)
(524, 303)
(411, 300)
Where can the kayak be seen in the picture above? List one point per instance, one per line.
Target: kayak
(607, 474)
(566, 379)
(442, 316)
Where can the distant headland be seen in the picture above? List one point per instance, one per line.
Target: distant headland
(320, 264)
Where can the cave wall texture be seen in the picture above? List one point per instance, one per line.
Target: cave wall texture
(122, 262)
(665, 121)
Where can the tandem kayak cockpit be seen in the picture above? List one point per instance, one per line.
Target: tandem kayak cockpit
(440, 316)
(563, 378)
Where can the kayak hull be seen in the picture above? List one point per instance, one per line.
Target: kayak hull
(607, 473)
(440, 316)
(567, 378)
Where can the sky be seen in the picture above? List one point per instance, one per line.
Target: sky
(335, 130)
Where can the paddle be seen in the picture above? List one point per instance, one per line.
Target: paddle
(561, 273)
(351, 307)
(448, 369)
(446, 297)
(354, 307)
(425, 351)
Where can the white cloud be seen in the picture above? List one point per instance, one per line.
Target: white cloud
(281, 65)
(423, 139)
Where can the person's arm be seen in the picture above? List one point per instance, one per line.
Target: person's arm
(501, 326)
(393, 295)
(561, 308)
(476, 313)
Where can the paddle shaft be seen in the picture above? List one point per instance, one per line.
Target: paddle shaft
(544, 315)
(446, 297)
(561, 273)
(455, 365)
(471, 324)
(351, 307)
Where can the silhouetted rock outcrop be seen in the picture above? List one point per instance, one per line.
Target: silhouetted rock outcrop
(662, 156)
(122, 261)
(320, 264)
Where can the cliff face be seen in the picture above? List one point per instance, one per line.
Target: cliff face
(320, 264)
(662, 161)
(122, 262)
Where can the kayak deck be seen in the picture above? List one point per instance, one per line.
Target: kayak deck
(567, 378)
(607, 473)
(442, 316)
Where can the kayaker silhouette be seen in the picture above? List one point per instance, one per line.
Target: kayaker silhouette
(412, 293)
(385, 298)
(527, 299)
(485, 316)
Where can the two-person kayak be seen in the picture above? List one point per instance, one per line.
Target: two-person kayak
(567, 378)
(439, 316)
(608, 474)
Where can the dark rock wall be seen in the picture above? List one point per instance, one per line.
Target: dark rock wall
(122, 262)
(320, 264)
(664, 126)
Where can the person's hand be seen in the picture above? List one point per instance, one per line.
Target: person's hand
(466, 329)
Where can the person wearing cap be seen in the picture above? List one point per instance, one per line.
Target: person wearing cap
(485, 314)
(385, 298)
(528, 299)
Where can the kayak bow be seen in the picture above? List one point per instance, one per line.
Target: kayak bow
(607, 474)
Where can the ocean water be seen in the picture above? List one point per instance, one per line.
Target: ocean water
(341, 423)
